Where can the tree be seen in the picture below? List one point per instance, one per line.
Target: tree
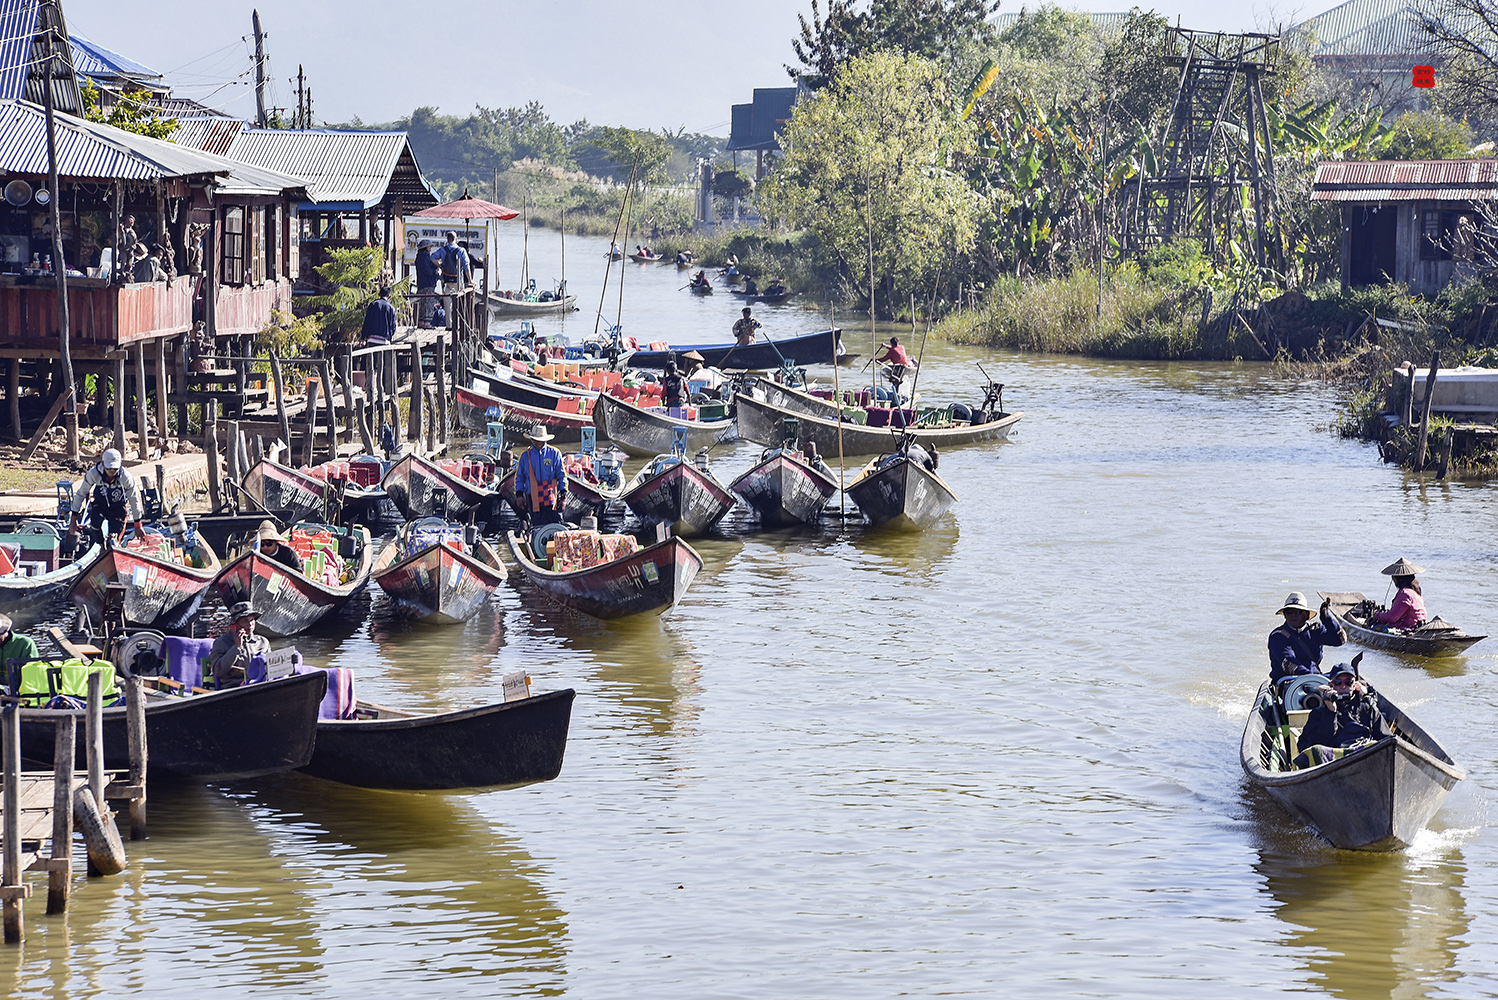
(132, 112)
(1428, 135)
(1465, 34)
(932, 29)
(868, 170)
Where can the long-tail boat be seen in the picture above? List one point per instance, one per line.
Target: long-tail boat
(783, 488)
(648, 581)
(289, 601)
(477, 409)
(1436, 637)
(164, 575)
(643, 433)
(670, 490)
(900, 491)
(431, 571)
(413, 484)
(40, 573)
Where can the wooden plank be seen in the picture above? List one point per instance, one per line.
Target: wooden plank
(46, 425)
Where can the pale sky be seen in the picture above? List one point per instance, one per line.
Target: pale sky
(644, 65)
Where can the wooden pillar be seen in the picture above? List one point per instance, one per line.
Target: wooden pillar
(327, 391)
(1445, 463)
(13, 397)
(101, 398)
(142, 438)
(135, 727)
(417, 385)
(59, 872)
(119, 404)
(428, 412)
(161, 425)
(279, 385)
(442, 391)
(12, 885)
(93, 733)
(210, 445)
(309, 446)
(1430, 391)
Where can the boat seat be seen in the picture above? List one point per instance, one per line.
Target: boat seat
(184, 659)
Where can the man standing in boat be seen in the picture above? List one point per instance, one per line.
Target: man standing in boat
(541, 479)
(112, 494)
(232, 652)
(1295, 647)
(743, 330)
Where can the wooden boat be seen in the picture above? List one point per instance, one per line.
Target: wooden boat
(818, 348)
(504, 305)
(413, 483)
(644, 433)
(240, 732)
(476, 409)
(764, 298)
(641, 258)
(508, 743)
(703, 289)
(900, 491)
(1376, 798)
(784, 489)
(274, 486)
(218, 529)
(438, 583)
(42, 576)
(737, 278)
(290, 602)
(513, 387)
(1436, 637)
(685, 265)
(761, 412)
(648, 582)
(671, 490)
(162, 591)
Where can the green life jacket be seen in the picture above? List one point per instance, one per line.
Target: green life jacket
(43, 680)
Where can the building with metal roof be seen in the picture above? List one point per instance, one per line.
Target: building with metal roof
(211, 134)
(29, 31)
(1107, 23)
(1416, 222)
(111, 72)
(1374, 44)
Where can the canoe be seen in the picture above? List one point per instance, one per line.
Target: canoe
(160, 593)
(1377, 798)
(241, 732)
(645, 433)
(783, 489)
(685, 265)
(503, 305)
(508, 743)
(901, 492)
(676, 492)
(476, 409)
(28, 593)
(290, 602)
(761, 413)
(648, 582)
(818, 348)
(764, 298)
(700, 289)
(640, 258)
(1436, 637)
(438, 583)
(413, 483)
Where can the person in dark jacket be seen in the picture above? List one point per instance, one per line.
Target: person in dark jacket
(427, 273)
(1348, 715)
(673, 386)
(379, 319)
(275, 547)
(1295, 647)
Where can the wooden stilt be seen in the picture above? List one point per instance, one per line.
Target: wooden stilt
(135, 725)
(210, 445)
(232, 463)
(442, 393)
(323, 366)
(310, 445)
(59, 872)
(279, 385)
(13, 888)
(119, 404)
(161, 425)
(417, 386)
(13, 397)
(142, 438)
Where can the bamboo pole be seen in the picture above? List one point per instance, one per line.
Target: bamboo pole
(12, 885)
(1430, 391)
(59, 872)
(235, 462)
(279, 384)
(1446, 453)
(837, 394)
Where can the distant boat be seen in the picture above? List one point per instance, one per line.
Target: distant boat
(1436, 637)
(701, 289)
(504, 305)
(818, 348)
(476, 410)
(640, 258)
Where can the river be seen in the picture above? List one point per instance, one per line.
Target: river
(999, 758)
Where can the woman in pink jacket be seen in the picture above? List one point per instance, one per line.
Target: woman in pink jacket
(1407, 610)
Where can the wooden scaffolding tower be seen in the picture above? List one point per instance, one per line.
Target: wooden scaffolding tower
(1216, 144)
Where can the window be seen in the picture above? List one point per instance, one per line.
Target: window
(233, 246)
(256, 241)
(273, 242)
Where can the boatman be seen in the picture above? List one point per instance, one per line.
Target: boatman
(232, 652)
(1407, 610)
(673, 386)
(541, 479)
(112, 494)
(894, 354)
(1295, 647)
(743, 330)
(276, 548)
(13, 646)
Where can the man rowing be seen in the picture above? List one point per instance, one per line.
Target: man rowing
(1296, 646)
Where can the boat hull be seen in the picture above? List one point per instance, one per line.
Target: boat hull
(645, 434)
(1377, 798)
(439, 584)
(762, 421)
(500, 305)
(510, 743)
(648, 582)
(158, 594)
(784, 490)
(24, 599)
(412, 484)
(1408, 642)
(476, 410)
(288, 602)
(808, 349)
(680, 495)
(240, 732)
(904, 495)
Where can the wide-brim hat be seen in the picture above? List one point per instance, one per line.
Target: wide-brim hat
(242, 610)
(694, 356)
(1402, 567)
(268, 533)
(424, 243)
(1296, 602)
(539, 433)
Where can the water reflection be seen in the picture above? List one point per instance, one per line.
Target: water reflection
(1371, 925)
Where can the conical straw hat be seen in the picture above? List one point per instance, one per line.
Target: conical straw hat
(1402, 567)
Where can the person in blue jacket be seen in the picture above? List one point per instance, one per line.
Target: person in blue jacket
(427, 273)
(1295, 647)
(379, 319)
(541, 480)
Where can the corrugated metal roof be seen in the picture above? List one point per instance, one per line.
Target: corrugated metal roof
(98, 63)
(1365, 28)
(211, 135)
(95, 151)
(1107, 23)
(22, 22)
(1406, 180)
(344, 166)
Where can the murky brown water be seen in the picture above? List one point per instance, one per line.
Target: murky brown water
(996, 759)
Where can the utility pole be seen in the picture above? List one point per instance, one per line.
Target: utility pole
(309, 107)
(260, 119)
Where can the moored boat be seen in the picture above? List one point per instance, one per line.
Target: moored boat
(762, 411)
(508, 305)
(898, 490)
(39, 571)
(308, 492)
(165, 577)
(431, 571)
(645, 581)
(671, 490)
(818, 348)
(1436, 637)
(783, 488)
(508, 743)
(420, 487)
(477, 409)
(645, 432)
(1374, 798)
(336, 565)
